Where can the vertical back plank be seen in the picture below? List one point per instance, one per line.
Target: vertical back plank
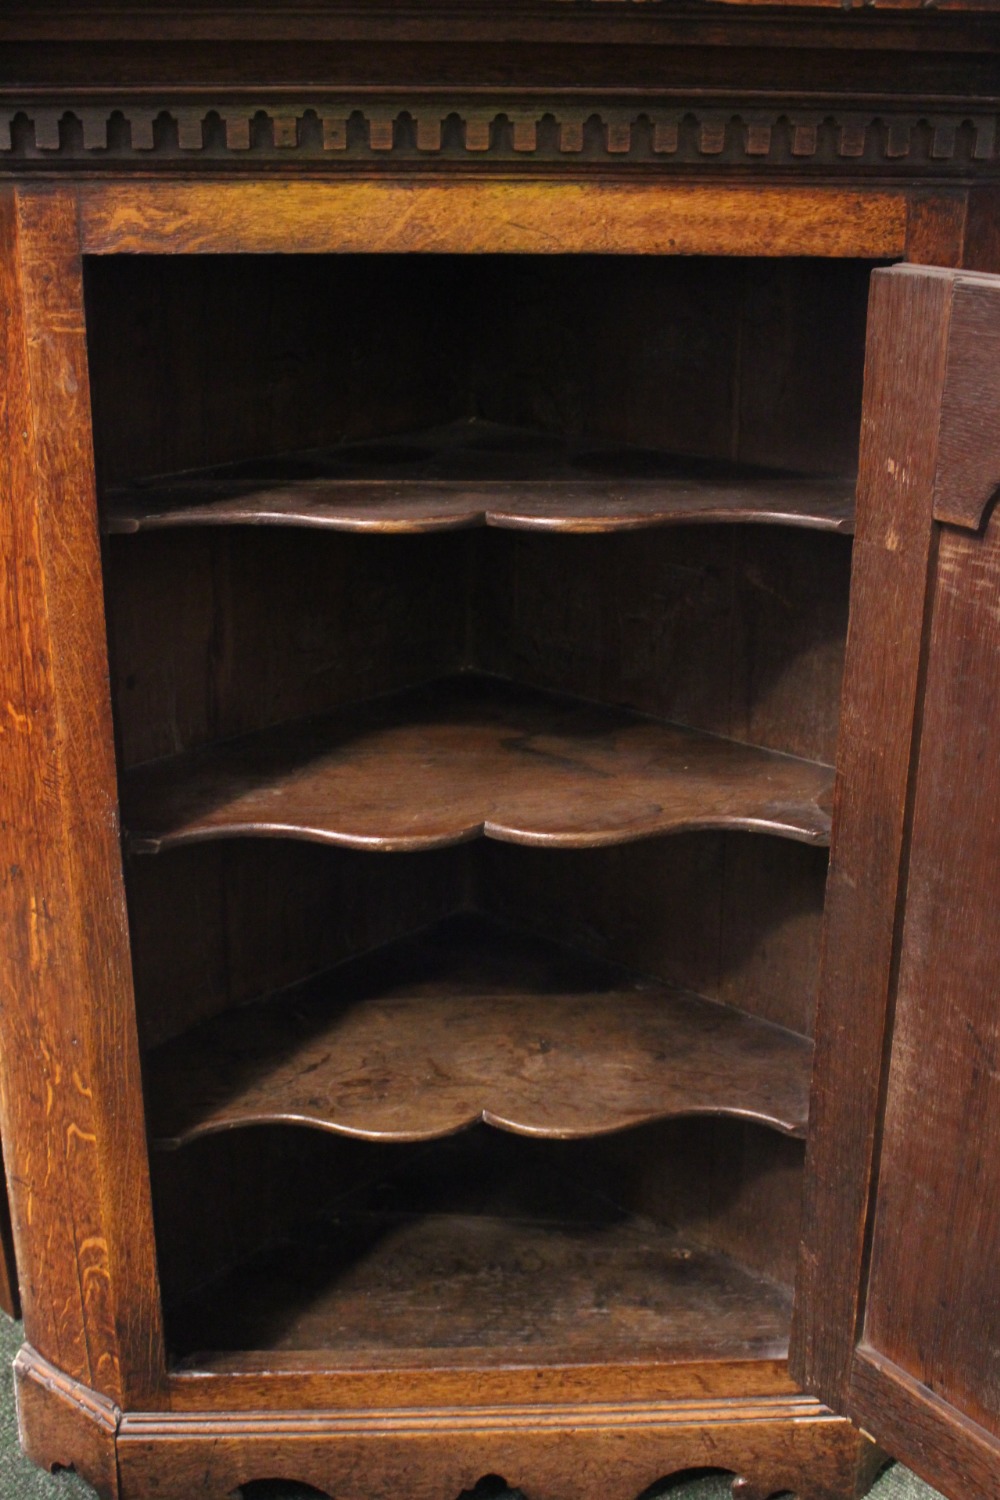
(70, 1094)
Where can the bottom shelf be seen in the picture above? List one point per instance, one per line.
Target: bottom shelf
(528, 1269)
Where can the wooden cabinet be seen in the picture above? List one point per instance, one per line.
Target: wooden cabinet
(431, 526)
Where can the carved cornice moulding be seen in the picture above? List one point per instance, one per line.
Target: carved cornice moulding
(112, 137)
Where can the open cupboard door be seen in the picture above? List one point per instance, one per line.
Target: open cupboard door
(898, 1298)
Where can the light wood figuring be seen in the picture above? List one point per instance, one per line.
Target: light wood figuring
(469, 756)
(73, 1134)
(474, 216)
(479, 473)
(469, 1022)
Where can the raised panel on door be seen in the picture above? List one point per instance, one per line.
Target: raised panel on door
(898, 1297)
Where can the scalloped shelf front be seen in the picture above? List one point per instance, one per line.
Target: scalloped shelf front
(473, 1022)
(471, 474)
(471, 756)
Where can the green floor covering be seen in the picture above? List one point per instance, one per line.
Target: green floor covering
(20, 1480)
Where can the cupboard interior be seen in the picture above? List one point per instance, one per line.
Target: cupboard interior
(664, 1235)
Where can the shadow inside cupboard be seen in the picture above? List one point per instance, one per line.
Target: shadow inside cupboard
(476, 628)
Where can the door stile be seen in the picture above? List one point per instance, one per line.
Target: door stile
(70, 1091)
(905, 370)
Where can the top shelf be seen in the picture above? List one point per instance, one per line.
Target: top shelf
(472, 473)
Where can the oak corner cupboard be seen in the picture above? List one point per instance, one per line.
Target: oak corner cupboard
(500, 724)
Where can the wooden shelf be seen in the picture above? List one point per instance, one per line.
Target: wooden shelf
(475, 1022)
(470, 756)
(576, 1281)
(480, 474)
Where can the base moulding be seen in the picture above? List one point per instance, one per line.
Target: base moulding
(789, 1446)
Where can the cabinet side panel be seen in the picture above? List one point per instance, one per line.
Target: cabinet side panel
(71, 1102)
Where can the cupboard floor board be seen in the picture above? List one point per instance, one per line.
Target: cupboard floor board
(386, 1289)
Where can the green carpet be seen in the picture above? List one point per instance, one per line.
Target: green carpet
(20, 1480)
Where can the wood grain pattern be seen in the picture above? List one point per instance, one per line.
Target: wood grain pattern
(379, 1289)
(293, 1380)
(467, 757)
(967, 477)
(473, 1022)
(733, 918)
(10, 1299)
(484, 1250)
(219, 632)
(220, 924)
(931, 1305)
(777, 1445)
(908, 329)
(71, 1094)
(477, 473)
(471, 216)
(64, 1424)
(313, 359)
(535, 126)
(952, 1452)
(738, 631)
(727, 1185)
(981, 242)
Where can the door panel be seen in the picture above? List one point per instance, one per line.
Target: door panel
(898, 1299)
(933, 1304)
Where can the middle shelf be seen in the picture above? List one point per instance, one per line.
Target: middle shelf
(475, 1021)
(472, 755)
(474, 473)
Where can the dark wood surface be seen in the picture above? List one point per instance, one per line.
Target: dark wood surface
(726, 1185)
(475, 1021)
(460, 1258)
(730, 916)
(9, 1297)
(478, 473)
(969, 435)
(909, 321)
(710, 357)
(931, 1305)
(425, 1288)
(473, 756)
(902, 1329)
(737, 630)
